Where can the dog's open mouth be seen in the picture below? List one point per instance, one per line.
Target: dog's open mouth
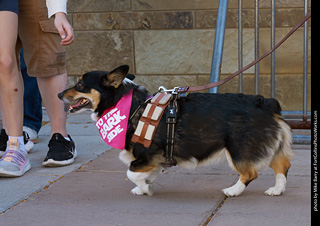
(80, 103)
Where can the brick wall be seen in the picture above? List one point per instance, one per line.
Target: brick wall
(170, 43)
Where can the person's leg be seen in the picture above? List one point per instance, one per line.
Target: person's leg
(45, 59)
(15, 161)
(61, 147)
(32, 118)
(11, 86)
(49, 89)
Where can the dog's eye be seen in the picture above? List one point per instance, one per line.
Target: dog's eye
(79, 86)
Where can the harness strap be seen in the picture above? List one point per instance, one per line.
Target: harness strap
(171, 120)
(150, 119)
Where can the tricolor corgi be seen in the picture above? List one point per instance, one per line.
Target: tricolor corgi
(246, 130)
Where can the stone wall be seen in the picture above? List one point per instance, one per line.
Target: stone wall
(170, 43)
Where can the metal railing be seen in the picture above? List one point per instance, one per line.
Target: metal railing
(218, 50)
(218, 43)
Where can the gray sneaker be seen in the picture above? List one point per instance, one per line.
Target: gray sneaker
(14, 163)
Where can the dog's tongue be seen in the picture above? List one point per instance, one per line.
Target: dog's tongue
(75, 105)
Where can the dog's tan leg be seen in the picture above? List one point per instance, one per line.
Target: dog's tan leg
(280, 165)
(247, 175)
(143, 180)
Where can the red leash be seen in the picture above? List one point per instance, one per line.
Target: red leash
(215, 84)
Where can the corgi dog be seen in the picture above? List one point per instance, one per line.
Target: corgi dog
(246, 130)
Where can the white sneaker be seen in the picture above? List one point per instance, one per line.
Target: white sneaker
(33, 135)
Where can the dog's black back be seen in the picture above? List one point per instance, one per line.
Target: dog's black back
(209, 122)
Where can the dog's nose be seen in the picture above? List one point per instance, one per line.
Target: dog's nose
(60, 95)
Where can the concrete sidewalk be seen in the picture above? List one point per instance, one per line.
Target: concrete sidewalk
(85, 135)
(97, 192)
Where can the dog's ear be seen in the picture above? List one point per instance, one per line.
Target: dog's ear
(115, 77)
(131, 77)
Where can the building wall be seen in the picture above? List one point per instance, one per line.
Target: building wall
(170, 43)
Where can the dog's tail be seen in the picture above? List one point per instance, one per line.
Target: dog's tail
(269, 103)
(285, 148)
(273, 105)
(285, 133)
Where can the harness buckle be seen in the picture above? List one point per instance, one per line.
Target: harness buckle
(171, 114)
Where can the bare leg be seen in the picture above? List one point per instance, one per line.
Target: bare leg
(2, 112)
(15, 161)
(11, 86)
(49, 88)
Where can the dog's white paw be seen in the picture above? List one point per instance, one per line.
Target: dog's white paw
(235, 190)
(230, 192)
(274, 191)
(280, 186)
(138, 191)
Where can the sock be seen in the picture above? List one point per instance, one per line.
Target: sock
(21, 141)
(67, 138)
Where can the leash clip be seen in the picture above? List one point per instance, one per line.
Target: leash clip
(163, 89)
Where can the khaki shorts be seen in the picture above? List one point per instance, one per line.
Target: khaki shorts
(40, 40)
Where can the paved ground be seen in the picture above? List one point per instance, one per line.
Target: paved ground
(95, 191)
